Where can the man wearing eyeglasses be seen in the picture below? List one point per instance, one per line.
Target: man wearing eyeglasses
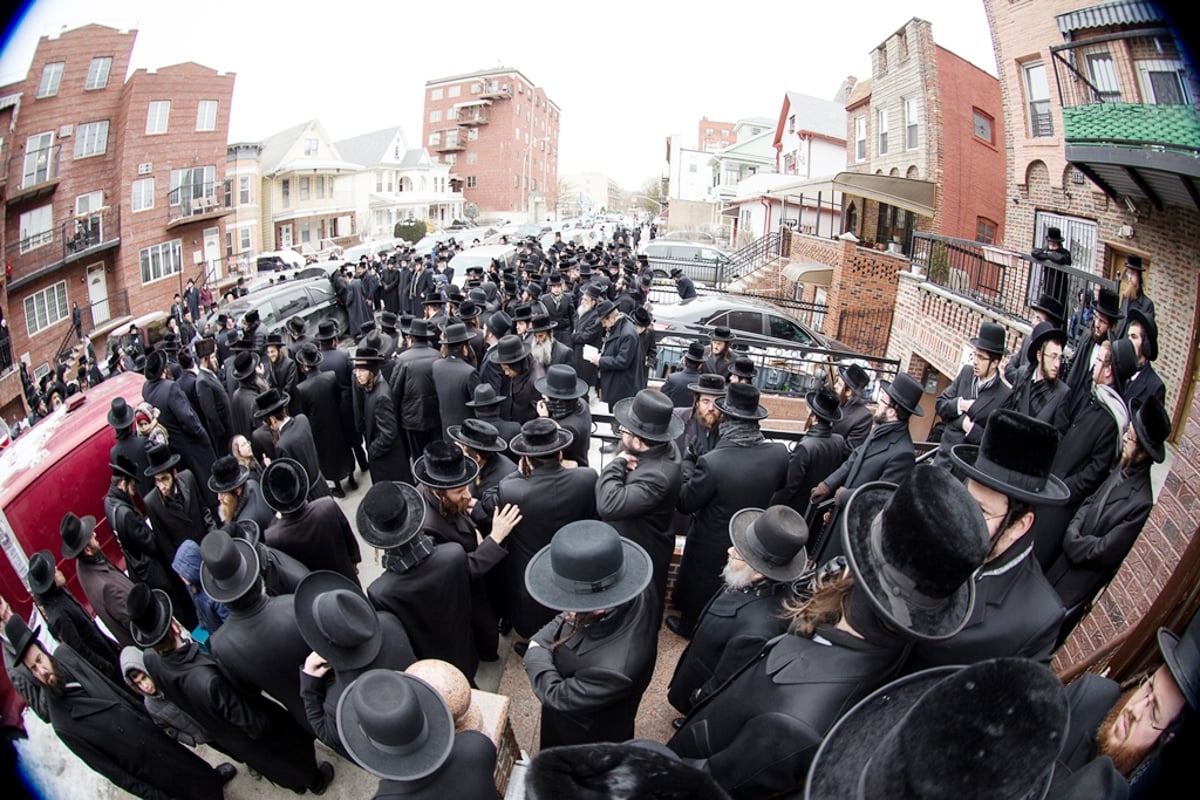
(977, 390)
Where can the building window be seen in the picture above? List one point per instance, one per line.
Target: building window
(1103, 75)
(304, 188)
(435, 138)
(243, 190)
(516, 182)
(310, 148)
(883, 131)
(51, 78)
(985, 231)
(1037, 95)
(860, 138)
(435, 115)
(452, 113)
(1163, 82)
(285, 189)
(191, 184)
(1079, 234)
(44, 308)
(141, 195)
(472, 157)
(435, 94)
(156, 117)
(98, 72)
(517, 134)
(161, 260)
(285, 235)
(470, 181)
(902, 42)
(206, 115)
(983, 125)
(454, 91)
(472, 134)
(244, 240)
(883, 58)
(910, 123)
(320, 186)
(450, 158)
(37, 228)
(91, 139)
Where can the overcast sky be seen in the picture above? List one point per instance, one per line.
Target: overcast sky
(626, 75)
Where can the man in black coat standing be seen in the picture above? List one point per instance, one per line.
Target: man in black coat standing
(1106, 314)
(676, 385)
(317, 393)
(215, 411)
(188, 438)
(175, 507)
(683, 285)
(743, 470)
(856, 421)
(413, 390)
(293, 437)
(130, 444)
(377, 418)
(816, 455)
(1037, 391)
(454, 377)
(1145, 383)
(316, 533)
(977, 390)
(618, 362)
(564, 400)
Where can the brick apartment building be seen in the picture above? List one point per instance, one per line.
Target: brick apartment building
(712, 136)
(499, 133)
(113, 191)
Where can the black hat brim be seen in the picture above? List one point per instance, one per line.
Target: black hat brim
(562, 440)
(121, 422)
(635, 577)
(407, 766)
(254, 362)
(834, 415)
(469, 473)
(1048, 335)
(284, 399)
(145, 638)
(240, 479)
(1183, 660)
(312, 586)
(382, 539)
(739, 527)
(729, 411)
(169, 464)
(497, 445)
(247, 573)
(86, 526)
(622, 411)
(271, 499)
(1156, 450)
(543, 386)
(966, 456)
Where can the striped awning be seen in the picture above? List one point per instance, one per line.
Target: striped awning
(1129, 12)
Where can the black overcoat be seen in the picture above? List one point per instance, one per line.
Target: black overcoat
(620, 362)
(387, 451)
(820, 452)
(856, 421)
(296, 441)
(319, 400)
(106, 589)
(187, 436)
(134, 448)
(215, 411)
(413, 391)
(455, 381)
(987, 399)
(145, 553)
(318, 536)
(467, 774)
(173, 523)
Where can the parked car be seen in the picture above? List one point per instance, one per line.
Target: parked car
(279, 260)
(766, 322)
(480, 257)
(699, 237)
(703, 263)
(313, 300)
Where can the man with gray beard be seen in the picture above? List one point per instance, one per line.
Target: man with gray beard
(588, 330)
(545, 349)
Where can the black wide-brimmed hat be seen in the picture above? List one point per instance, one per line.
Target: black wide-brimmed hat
(239, 342)
(485, 396)
(275, 339)
(1152, 426)
(914, 549)
(743, 367)
(444, 466)
(605, 308)
(155, 363)
(229, 567)
(421, 329)
(337, 620)
(205, 346)
(434, 298)
(160, 459)
(20, 635)
(540, 436)
(854, 376)
(586, 567)
(1014, 458)
(1054, 235)
(388, 320)
(906, 393)
(149, 611)
(1149, 333)
(708, 383)
(326, 330)
(41, 572)
(541, 323)
(1044, 332)
(499, 324)
(227, 475)
(270, 402)
(284, 485)
(1050, 306)
(395, 726)
(824, 403)
(76, 533)
(124, 467)
(1109, 305)
(309, 355)
(455, 333)
(561, 383)
(244, 364)
(721, 333)
(296, 326)
(478, 435)
(991, 731)
(468, 310)
(649, 415)
(244, 528)
(1182, 657)
(1134, 262)
(741, 402)
(694, 352)
(990, 339)
(772, 541)
(120, 414)
(368, 358)
(511, 349)
(1124, 362)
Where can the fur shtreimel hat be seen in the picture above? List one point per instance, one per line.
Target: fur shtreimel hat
(599, 771)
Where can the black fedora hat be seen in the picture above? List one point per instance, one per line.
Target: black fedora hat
(244, 528)
(721, 333)
(227, 475)
(541, 323)
(1134, 262)
(511, 349)
(1054, 235)
(606, 308)
(444, 466)
(1044, 332)
(284, 485)
(388, 320)
(21, 636)
(1124, 362)
(1050, 306)
(390, 514)
(561, 383)
(914, 549)
(76, 533)
(120, 414)
(433, 298)
(296, 326)
(244, 364)
(468, 310)
(825, 404)
(708, 383)
(395, 726)
(586, 567)
(990, 339)
(478, 435)
(326, 330)
(149, 611)
(484, 397)
(741, 402)
(1014, 458)
(309, 355)
(367, 358)
(275, 339)
(743, 367)
(124, 467)
(649, 415)
(239, 342)
(455, 333)
(948, 732)
(1182, 657)
(270, 402)
(906, 392)
(1109, 305)
(41, 572)
(854, 376)
(1152, 427)
(1149, 333)
(540, 436)
(421, 329)
(772, 541)
(337, 620)
(160, 459)
(229, 566)
(156, 362)
(695, 352)
(205, 346)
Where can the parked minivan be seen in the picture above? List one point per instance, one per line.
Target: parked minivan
(703, 263)
(312, 300)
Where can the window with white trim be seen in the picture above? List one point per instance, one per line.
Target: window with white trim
(206, 115)
(97, 77)
(435, 94)
(37, 228)
(157, 116)
(471, 182)
(860, 138)
(91, 139)
(243, 190)
(161, 260)
(910, 123)
(45, 308)
(1037, 98)
(434, 138)
(141, 194)
(244, 239)
(454, 91)
(435, 115)
(883, 131)
(192, 184)
(310, 147)
(51, 78)
(1163, 82)
(305, 186)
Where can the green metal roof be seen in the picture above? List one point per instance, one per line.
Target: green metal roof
(1123, 123)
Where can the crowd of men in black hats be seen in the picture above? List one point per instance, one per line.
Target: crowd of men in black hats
(241, 621)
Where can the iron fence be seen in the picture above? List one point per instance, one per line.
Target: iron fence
(866, 330)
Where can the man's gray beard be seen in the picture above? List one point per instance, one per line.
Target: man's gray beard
(542, 350)
(586, 305)
(737, 574)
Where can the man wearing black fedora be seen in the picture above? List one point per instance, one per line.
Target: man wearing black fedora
(544, 348)
(676, 385)
(563, 400)
(454, 377)
(482, 443)
(187, 436)
(701, 419)
(1106, 313)
(720, 357)
(413, 389)
(279, 369)
(248, 373)
(486, 405)
(175, 507)
(852, 381)
(105, 586)
(348, 637)
(314, 532)
(1044, 309)
(337, 361)
(588, 330)
(817, 454)
(498, 326)
(1054, 281)
(765, 558)
(521, 374)
(590, 665)
(549, 496)
(425, 584)
(1134, 297)
(639, 488)
(619, 362)
(1037, 389)
(1016, 611)
(977, 390)
(886, 455)
(743, 470)
(318, 398)
(130, 444)
(238, 495)
(214, 408)
(560, 305)
(376, 417)
(911, 550)
(684, 285)
(398, 728)
(1145, 383)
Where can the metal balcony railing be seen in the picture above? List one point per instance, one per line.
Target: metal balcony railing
(197, 201)
(36, 173)
(64, 243)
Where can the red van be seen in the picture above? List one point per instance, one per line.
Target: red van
(58, 465)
